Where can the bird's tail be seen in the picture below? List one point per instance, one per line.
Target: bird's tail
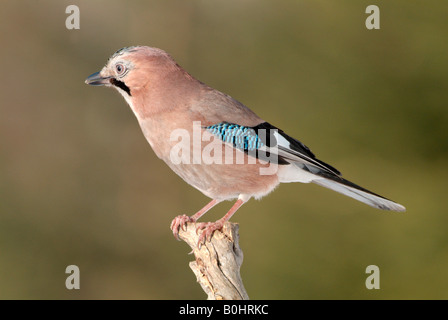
(354, 191)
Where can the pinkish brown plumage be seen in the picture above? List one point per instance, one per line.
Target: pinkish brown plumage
(166, 100)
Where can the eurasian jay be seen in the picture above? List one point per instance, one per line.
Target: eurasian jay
(234, 153)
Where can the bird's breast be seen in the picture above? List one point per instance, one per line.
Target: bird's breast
(204, 161)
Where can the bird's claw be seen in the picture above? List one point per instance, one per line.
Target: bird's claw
(207, 229)
(180, 222)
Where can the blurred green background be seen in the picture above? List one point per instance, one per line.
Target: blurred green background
(80, 185)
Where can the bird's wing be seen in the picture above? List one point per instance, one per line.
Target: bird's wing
(265, 141)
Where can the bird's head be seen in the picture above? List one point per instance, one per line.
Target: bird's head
(145, 77)
(130, 69)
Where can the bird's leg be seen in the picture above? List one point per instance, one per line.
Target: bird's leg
(180, 221)
(208, 228)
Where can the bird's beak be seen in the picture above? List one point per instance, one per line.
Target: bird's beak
(97, 80)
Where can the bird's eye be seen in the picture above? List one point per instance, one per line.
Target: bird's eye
(120, 68)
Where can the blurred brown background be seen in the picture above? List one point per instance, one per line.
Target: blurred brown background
(80, 185)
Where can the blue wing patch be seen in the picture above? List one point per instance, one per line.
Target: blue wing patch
(243, 138)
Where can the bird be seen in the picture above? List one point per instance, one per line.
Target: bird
(212, 141)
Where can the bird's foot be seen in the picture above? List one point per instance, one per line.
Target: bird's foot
(207, 229)
(180, 222)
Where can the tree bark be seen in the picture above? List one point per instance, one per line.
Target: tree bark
(217, 263)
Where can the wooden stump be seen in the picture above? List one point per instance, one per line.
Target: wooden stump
(217, 263)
